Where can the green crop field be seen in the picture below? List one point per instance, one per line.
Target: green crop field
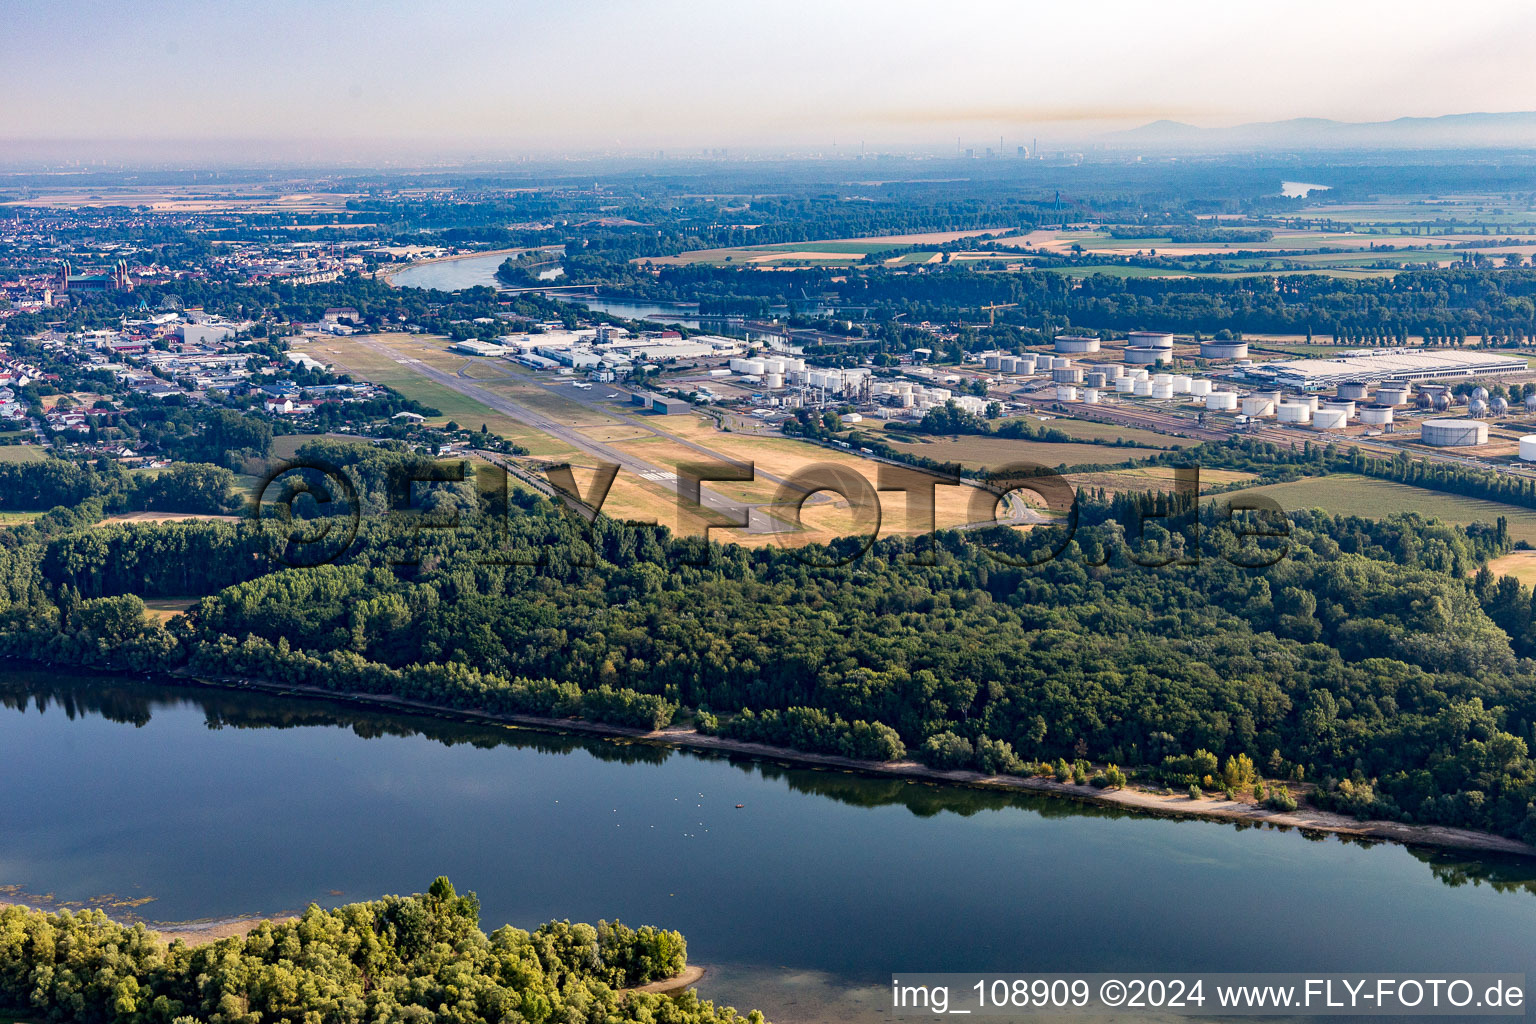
(1348, 494)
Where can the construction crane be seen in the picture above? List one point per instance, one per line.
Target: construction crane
(992, 310)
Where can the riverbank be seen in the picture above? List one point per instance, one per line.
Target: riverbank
(1132, 798)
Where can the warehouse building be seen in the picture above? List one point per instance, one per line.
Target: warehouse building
(1374, 366)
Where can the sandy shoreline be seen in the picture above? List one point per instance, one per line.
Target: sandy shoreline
(1176, 805)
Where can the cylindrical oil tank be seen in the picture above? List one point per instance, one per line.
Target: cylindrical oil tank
(1095, 380)
(773, 380)
(1091, 395)
(1199, 388)
(1223, 350)
(1356, 391)
(1066, 393)
(993, 362)
(1043, 363)
(1112, 371)
(1330, 419)
(1221, 400)
(1145, 355)
(1293, 412)
(1162, 390)
(1007, 364)
(1258, 405)
(1077, 343)
(1067, 375)
(1138, 374)
(1392, 395)
(1376, 415)
(1125, 386)
(1150, 339)
(773, 366)
(1143, 388)
(1181, 384)
(1528, 447)
(1026, 364)
(1312, 402)
(1347, 407)
(1454, 433)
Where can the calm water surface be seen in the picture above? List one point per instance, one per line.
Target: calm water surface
(803, 902)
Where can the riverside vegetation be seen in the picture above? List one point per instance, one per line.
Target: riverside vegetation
(404, 959)
(1365, 656)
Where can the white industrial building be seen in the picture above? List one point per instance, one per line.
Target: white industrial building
(1377, 366)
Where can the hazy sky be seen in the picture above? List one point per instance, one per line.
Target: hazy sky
(516, 76)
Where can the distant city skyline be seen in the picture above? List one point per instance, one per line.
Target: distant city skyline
(502, 80)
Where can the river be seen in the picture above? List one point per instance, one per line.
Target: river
(474, 271)
(802, 902)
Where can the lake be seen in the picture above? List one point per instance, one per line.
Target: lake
(1300, 189)
(212, 803)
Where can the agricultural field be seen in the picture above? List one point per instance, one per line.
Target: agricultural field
(975, 452)
(1349, 494)
(21, 453)
(1152, 478)
(831, 251)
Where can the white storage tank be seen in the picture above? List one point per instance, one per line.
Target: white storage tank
(993, 362)
(1151, 339)
(1221, 400)
(1162, 378)
(1356, 391)
(773, 380)
(1025, 364)
(1137, 374)
(1312, 402)
(1258, 405)
(1454, 433)
(747, 366)
(1528, 447)
(1075, 343)
(1293, 412)
(1095, 380)
(1348, 408)
(1145, 355)
(1330, 419)
(773, 366)
(1181, 384)
(1043, 363)
(1376, 415)
(1392, 395)
(1125, 386)
(1200, 388)
(1091, 396)
(1067, 375)
(1142, 388)
(1112, 371)
(1007, 364)
(1162, 390)
(1066, 393)
(1223, 350)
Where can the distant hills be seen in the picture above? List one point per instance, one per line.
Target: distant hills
(1515, 130)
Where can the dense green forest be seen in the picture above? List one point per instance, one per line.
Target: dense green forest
(407, 959)
(1365, 656)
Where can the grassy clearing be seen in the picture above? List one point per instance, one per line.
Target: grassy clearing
(1349, 494)
(1519, 564)
(1152, 478)
(21, 453)
(17, 518)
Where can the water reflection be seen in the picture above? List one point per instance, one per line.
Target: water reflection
(133, 702)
